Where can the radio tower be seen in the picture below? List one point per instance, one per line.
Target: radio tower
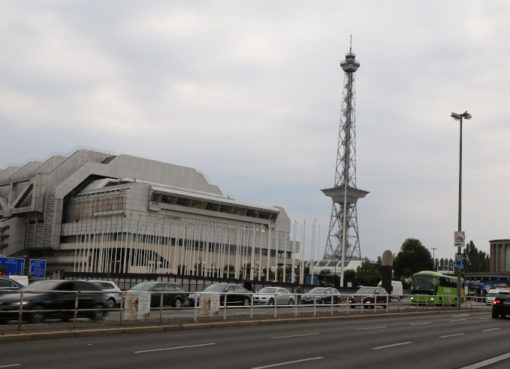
(342, 244)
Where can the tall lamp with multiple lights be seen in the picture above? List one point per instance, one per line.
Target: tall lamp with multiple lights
(460, 117)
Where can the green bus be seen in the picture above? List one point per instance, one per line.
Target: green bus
(434, 288)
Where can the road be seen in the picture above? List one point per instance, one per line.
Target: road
(456, 340)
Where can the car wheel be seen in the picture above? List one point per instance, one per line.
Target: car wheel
(246, 302)
(37, 316)
(495, 315)
(178, 303)
(98, 313)
(270, 302)
(291, 302)
(110, 303)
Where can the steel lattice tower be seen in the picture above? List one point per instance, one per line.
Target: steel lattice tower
(343, 224)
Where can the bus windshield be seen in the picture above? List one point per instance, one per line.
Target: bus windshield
(423, 284)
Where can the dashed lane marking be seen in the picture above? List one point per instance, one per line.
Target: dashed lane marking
(491, 329)
(488, 362)
(295, 335)
(421, 323)
(369, 328)
(390, 346)
(173, 348)
(452, 335)
(288, 362)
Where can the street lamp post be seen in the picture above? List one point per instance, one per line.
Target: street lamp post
(459, 117)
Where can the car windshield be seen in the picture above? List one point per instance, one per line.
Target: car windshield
(318, 290)
(215, 288)
(365, 291)
(268, 290)
(145, 286)
(41, 286)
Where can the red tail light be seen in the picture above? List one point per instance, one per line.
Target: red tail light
(496, 302)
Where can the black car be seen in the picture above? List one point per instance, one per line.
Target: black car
(370, 297)
(236, 294)
(9, 285)
(54, 299)
(173, 293)
(501, 305)
(321, 295)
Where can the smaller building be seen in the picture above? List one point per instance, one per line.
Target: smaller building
(500, 256)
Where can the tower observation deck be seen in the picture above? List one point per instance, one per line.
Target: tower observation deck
(342, 244)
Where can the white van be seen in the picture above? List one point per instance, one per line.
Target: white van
(397, 290)
(491, 294)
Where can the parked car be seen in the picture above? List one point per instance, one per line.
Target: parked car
(501, 305)
(173, 293)
(9, 285)
(321, 295)
(113, 294)
(267, 296)
(54, 299)
(369, 297)
(236, 294)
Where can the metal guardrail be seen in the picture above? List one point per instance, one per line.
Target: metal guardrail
(342, 304)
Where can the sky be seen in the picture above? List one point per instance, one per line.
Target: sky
(249, 92)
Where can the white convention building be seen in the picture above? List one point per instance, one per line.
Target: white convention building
(94, 212)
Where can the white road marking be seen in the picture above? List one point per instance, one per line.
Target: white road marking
(457, 320)
(421, 323)
(295, 335)
(9, 365)
(491, 329)
(393, 345)
(173, 348)
(288, 362)
(368, 328)
(452, 335)
(488, 362)
(459, 315)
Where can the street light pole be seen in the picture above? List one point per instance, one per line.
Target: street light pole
(459, 117)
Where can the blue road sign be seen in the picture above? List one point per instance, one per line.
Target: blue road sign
(37, 268)
(13, 265)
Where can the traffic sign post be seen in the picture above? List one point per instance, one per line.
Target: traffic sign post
(37, 268)
(459, 238)
(13, 266)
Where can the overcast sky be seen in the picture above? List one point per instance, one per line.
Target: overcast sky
(248, 92)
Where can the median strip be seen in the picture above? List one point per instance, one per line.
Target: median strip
(173, 348)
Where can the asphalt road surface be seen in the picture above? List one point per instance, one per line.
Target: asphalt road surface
(457, 340)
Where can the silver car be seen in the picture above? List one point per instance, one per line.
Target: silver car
(113, 294)
(267, 296)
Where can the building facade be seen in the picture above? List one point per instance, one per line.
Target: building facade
(499, 256)
(95, 212)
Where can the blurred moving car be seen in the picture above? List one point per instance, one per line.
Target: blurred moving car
(267, 296)
(173, 293)
(321, 295)
(501, 305)
(54, 299)
(236, 294)
(9, 285)
(113, 294)
(369, 297)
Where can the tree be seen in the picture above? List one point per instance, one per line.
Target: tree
(413, 257)
(368, 273)
(475, 260)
